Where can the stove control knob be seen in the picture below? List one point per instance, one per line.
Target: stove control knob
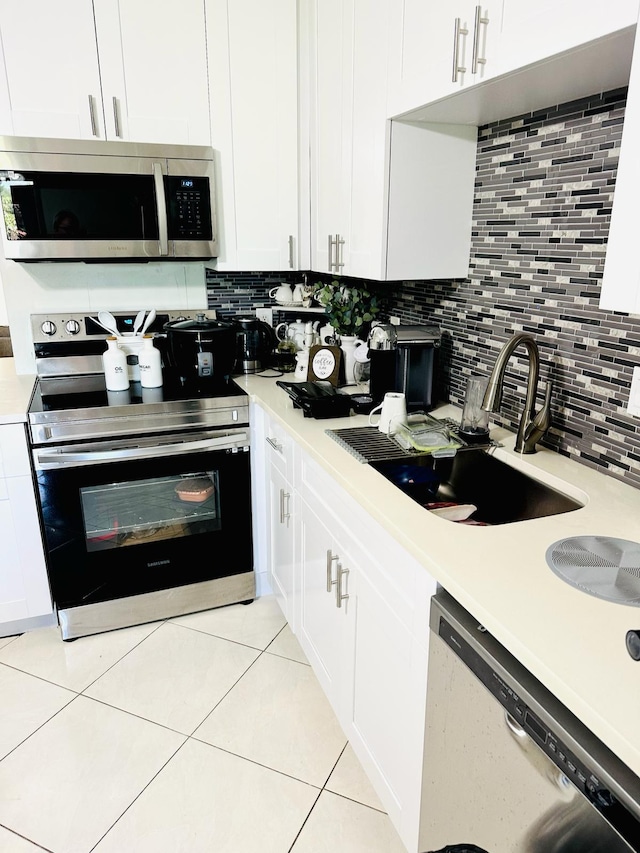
(72, 327)
(48, 328)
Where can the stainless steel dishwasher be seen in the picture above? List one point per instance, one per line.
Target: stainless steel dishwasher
(508, 768)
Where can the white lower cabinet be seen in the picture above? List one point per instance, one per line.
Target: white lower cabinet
(274, 509)
(280, 537)
(322, 626)
(363, 606)
(24, 588)
(359, 606)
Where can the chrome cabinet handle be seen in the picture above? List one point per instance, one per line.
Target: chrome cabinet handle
(457, 32)
(339, 245)
(284, 499)
(330, 254)
(163, 232)
(291, 251)
(340, 597)
(475, 58)
(92, 116)
(116, 120)
(330, 559)
(277, 447)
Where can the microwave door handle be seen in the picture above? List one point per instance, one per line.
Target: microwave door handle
(163, 232)
(55, 459)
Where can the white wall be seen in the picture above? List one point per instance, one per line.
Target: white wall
(59, 287)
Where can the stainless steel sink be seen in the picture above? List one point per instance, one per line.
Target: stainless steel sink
(502, 493)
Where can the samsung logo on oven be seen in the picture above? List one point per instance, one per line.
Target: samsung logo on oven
(118, 248)
(158, 563)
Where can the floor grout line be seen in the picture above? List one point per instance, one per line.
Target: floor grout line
(19, 835)
(190, 736)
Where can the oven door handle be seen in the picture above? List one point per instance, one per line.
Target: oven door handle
(51, 458)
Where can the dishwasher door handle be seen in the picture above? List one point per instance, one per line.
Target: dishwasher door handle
(514, 727)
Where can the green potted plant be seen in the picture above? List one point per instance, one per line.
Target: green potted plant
(350, 310)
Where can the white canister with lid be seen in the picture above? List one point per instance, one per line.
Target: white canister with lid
(114, 363)
(150, 364)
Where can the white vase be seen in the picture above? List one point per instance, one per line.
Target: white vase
(348, 345)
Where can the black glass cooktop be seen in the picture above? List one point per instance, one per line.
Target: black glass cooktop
(89, 393)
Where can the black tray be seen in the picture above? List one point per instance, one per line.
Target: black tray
(318, 399)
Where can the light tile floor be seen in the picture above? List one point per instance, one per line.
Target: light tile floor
(202, 734)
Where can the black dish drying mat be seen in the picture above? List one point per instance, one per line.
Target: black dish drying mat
(368, 444)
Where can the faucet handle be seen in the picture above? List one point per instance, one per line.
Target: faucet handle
(540, 423)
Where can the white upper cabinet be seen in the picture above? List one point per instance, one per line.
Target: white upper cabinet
(532, 31)
(49, 80)
(331, 101)
(388, 200)
(439, 48)
(527, 55)
(254, 124)
(131, 72)
(621, 277)
(153, 67)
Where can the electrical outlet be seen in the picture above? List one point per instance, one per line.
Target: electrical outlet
(633, 406)
(265, 314)
(395, 321)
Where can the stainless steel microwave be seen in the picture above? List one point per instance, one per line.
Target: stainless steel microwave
(78, 200)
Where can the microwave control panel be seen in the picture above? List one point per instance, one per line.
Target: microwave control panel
(189, 205)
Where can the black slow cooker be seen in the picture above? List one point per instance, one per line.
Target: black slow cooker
(201, 352)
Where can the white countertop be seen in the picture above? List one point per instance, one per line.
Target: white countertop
(573, 642)
(15, 393)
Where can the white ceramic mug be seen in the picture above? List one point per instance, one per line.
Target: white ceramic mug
(393, 411)
(283, 293)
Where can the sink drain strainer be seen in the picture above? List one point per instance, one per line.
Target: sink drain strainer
(600, 565)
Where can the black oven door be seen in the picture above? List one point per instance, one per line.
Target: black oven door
(127, 518)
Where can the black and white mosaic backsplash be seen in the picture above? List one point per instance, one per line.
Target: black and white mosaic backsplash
(544, 190)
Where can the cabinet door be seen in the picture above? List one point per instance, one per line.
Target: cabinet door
(153, 65)
(331, 138)
(368, 151)
(281, 500)
(433, 43)
(50, 82)
(321, 624)
(535, 31)
(254, 92)
(621, 276)
(388, 683)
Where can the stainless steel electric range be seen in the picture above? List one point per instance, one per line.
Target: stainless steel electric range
(145, 494)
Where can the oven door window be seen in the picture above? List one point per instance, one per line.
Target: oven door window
(121, 515)
(125, 528)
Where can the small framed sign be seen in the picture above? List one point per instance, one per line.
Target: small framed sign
(324, 363)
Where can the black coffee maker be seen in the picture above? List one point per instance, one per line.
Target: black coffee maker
(402, 359)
